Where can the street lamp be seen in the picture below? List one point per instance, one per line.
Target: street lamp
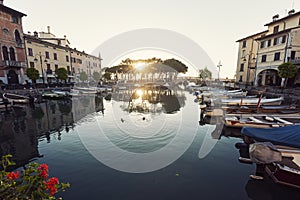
(250, 59)
(40, 56)
(219, 66)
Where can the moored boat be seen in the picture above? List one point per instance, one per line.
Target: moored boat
(15, 98)
(252, 101)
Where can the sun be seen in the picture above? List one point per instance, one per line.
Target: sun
(139, 65)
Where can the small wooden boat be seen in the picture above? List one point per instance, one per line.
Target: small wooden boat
(53, 95)
(252, 101)
(259, 122)
(284, 109)
(15, 98)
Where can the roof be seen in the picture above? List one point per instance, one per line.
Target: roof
(11, 11)
(278, 33)
(251, 36)
(282, 19)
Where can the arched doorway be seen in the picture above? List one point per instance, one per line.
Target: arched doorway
(12, 77)
(268, 77)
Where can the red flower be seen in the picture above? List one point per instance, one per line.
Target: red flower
(12, 175)
(43, 168)
(50, 185)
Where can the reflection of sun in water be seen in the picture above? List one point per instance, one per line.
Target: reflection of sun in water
(139, 93)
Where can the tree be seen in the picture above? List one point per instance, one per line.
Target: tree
(62, 74)
(285, 71)
(33, 74)
(107, 76)
(205, 74)
(96, 76)
(83, 76)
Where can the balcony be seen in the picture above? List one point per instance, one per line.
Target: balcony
(11, 63)
(295, 61)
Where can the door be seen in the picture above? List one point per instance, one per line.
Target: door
(12, 77)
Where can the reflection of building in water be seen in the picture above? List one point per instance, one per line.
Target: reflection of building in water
(21, 129)
(86, 104)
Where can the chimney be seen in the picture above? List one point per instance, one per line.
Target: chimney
(1, 2)
(291, 12)
(48, 28)
(275, 17)
(35, 34)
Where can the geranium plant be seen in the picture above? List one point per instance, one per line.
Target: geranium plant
(29, 183)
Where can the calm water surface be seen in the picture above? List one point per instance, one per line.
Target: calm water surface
(109, 149)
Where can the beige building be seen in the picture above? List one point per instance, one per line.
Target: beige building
(278, 44)
(246, 62)
(47, 53)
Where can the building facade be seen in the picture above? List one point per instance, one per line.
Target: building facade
(12, 56)
(47, 53)
(246, 62)
(278, 44)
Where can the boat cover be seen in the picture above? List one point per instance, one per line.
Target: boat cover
(287, 135)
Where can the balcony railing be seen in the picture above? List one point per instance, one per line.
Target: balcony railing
(11, 63)
(295, 61)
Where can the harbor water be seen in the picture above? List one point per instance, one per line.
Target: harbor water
(111, 147)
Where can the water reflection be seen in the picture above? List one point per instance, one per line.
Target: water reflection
(23, 127)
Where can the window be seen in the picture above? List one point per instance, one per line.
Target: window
(277, 56)
(243, 55)
(30, 52)
(55, 56)
(47, 54)
(293, 55)
(31, 64)
(275, 41)
(56, 68)
(276, 28)
(5, 53)
(241, 79)
(12, 54)
(242, 67)
(262, 44)
(79, 61)
(73, 60)
(244, 44)
(14, 19)
(67, 58)
(48, 71)
(269, 42)
(264, 58)
(283, 39)
(18, 37)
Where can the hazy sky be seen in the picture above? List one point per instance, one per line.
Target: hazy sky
(214, 24)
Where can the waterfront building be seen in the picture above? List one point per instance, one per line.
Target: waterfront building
(47, 53)
(278, 44)
(12, 55)
(247, 53)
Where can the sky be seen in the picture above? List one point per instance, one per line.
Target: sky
(215, 25)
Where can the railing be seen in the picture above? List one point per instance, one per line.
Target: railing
(11, 63)
(295, 61)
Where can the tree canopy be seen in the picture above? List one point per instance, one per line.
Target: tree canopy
(149, 67)
(62, 74)
(96, 76)
(287, 70)
(33, 74)
(205, 74)
(83, 76)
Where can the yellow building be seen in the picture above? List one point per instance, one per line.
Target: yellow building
(47, 53)
(278, 44)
